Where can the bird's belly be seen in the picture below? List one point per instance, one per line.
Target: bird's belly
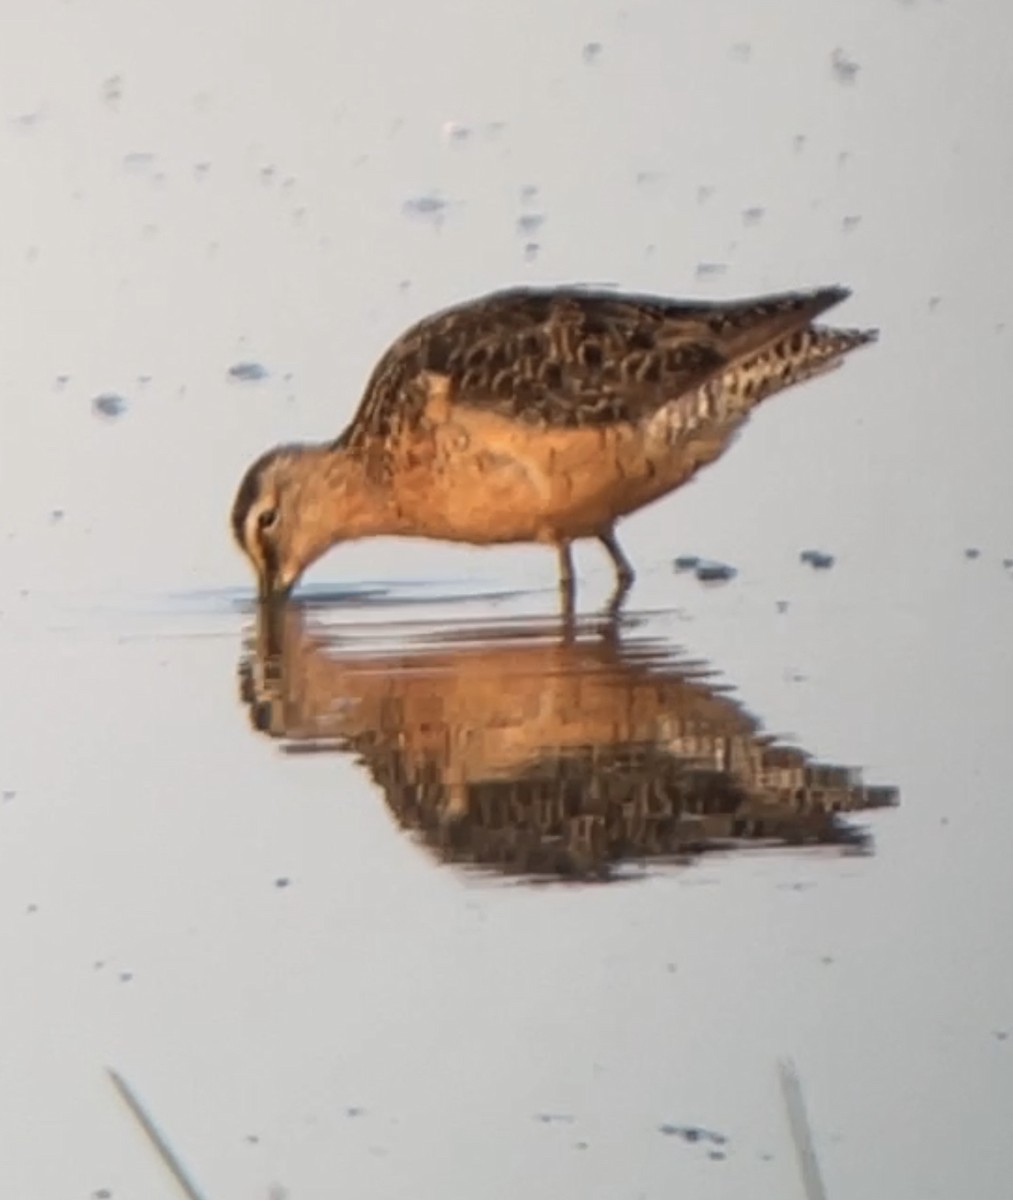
(479, 477)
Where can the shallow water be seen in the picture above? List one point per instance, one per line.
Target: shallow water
(422, 892)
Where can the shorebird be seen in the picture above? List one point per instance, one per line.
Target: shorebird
(533, 415)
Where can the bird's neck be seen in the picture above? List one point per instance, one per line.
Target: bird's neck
(340, 495)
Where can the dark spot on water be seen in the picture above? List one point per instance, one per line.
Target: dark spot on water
(972, 552)
(109, 404)
(56, 515)
(591, 52)
(528, 224)
(693, 1134)
(851, 223)
(845, 69)
(934, 302)
(531, 251)
(430, 206)
(248, 372)
(710, 270)
(126, 976)
(754, 215)
(782, 606)
(102, 1194)
(687, 562)
(819, 560)
(715, 572)
(112, 90)
(282, 881)
(548, 1118)
(740, 52)
(8, 795)
(62, 380)
(354, 1110)
(1000, 1035)
(138, 162)
(798, 143)
(252, 1139)
(580, 1145)
(1007, 563)
(529, 193)
(31, 908)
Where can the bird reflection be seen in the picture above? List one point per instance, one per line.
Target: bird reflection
(531, 752)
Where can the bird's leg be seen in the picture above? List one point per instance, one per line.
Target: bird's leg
(624, 571)
(566, 580)
(565, 566)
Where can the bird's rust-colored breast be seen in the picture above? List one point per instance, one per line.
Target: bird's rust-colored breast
(467, 474)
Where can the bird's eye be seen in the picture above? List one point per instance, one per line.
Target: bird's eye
(267, 518)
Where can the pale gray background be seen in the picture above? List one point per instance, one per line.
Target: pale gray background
(190, 185)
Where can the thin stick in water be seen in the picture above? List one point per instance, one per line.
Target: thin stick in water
(801, 1134)
(154, 1135)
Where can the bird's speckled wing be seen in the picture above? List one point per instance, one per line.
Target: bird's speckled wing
(574, 357)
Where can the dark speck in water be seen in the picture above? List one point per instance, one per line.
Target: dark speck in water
(754, 215)
(715, 572)
(428, 207)
(7, 795)
(531, 250)
(1007, 563)
(782, 606)
(109, 404)
(819, 560)
(102, 1194)
(528, 224)
(972, 552)
(591, 52)
(282, 881)
(1000, 1035)
(693, 1134)
(710, 270)
(845, 69)
(848, 224)
(248, 372)
(741, 52)
(252, 1139)
(112, 90)
(354, 1110)
(126, 976)
(548, 1118)
(687, 562)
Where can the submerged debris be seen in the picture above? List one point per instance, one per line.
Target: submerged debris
(715, 572)
(591, 52)
(972, 552)
(819, 560)
(705, 569)
(430, 206)
(845, 69)
(710, 270)
(248, 372)
(694, 1134)
(109, 404)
